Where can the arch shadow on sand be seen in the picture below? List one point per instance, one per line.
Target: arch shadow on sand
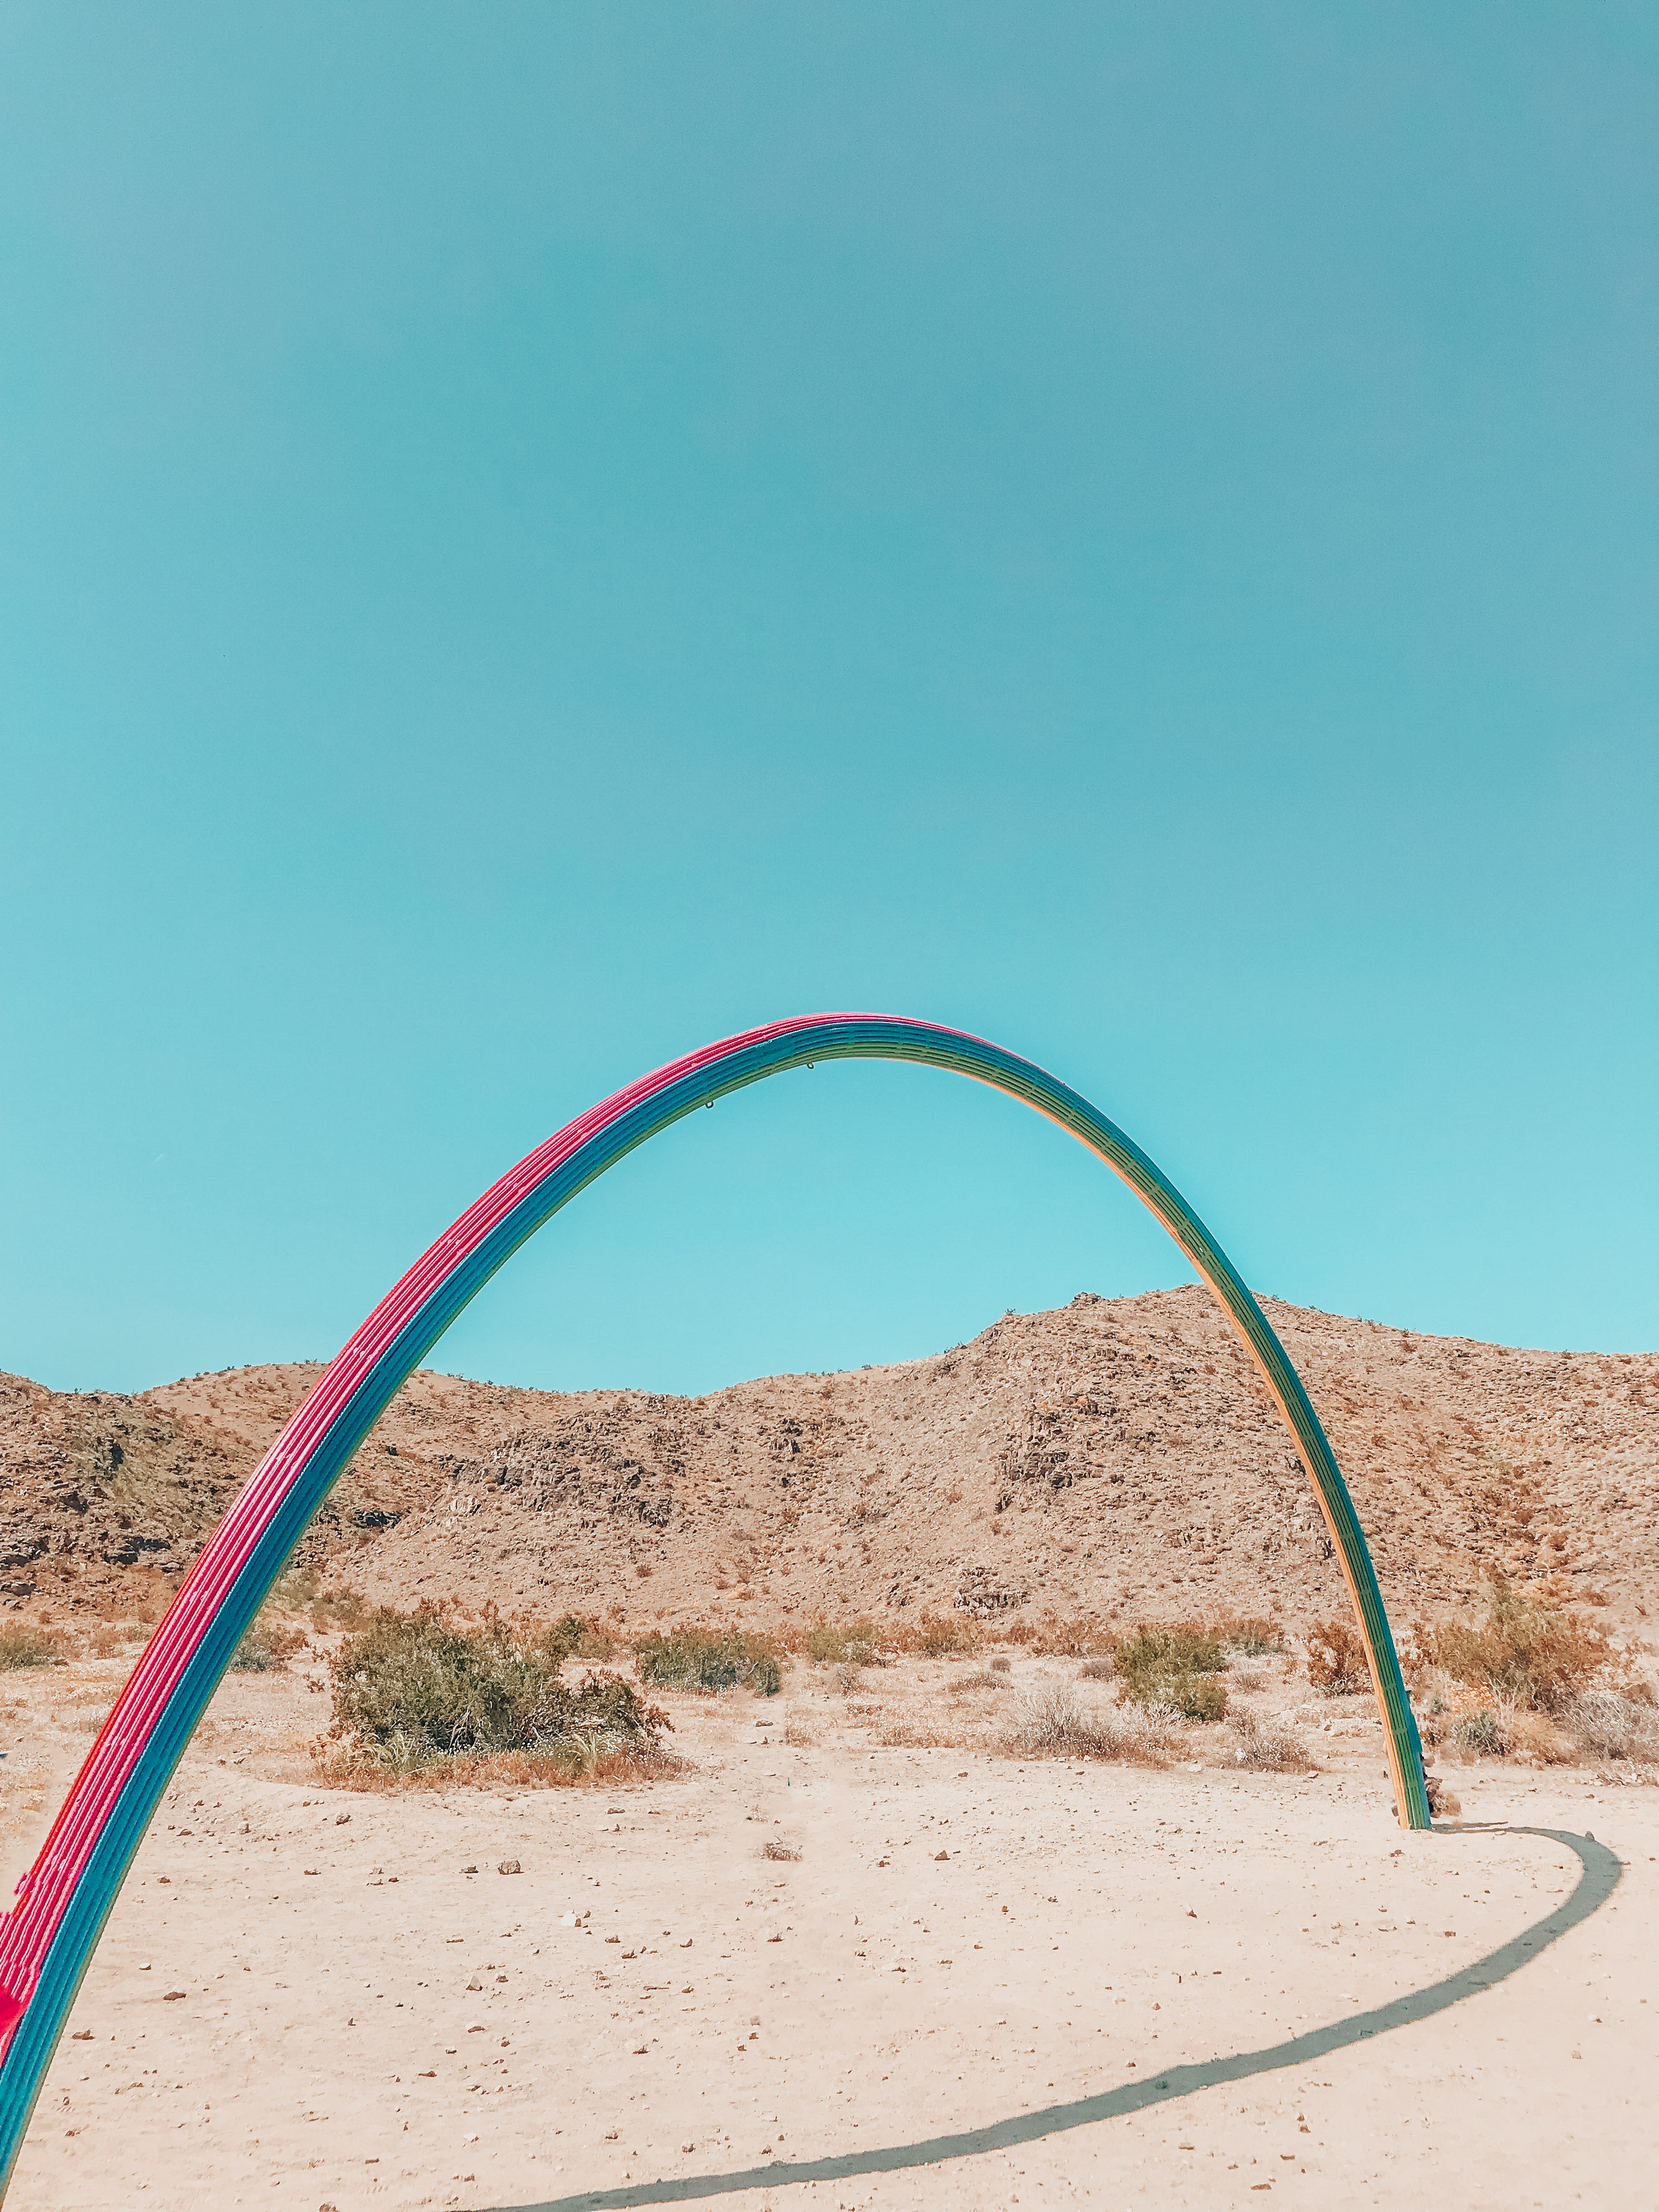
(1602, 1870)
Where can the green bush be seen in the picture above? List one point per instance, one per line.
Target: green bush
(411, 1689)
(1481, 1734)
(694, 1659)
(1174, 1664)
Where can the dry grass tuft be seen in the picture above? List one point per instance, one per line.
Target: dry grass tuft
(1079, 1637)
(1616, 1725)
(266, 1642)
(113, 1638)
(1268, 1745)
(849, 1643)
(785, 1853)
(933, 1636)
(1336, 1659)
(339, 1766)
(914, 1731)
(976, 1684)
(1054, 1723)
(1247, 1635)
(22, 1646)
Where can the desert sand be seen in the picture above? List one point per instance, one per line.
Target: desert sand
(329, 1997)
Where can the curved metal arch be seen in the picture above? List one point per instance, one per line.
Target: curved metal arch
(48, 1936)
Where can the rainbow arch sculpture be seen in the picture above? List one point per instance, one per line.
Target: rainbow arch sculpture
(47, 1937)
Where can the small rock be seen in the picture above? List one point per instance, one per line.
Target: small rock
(469, 1869)
(509, 1866)
(939, 1856)
(340, 1819)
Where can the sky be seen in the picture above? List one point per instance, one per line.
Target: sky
(535, 537)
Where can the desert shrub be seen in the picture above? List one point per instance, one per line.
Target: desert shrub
(974, 1684)
(1052, 1722)
(589, 1639)
(1480, 1734)
(410, 1689)
(1195, 1697)
(1078, 1636)
(111, 1637)
(265, 1643)
(1615, 1723)
(935, 1636)
(576, 1636)
(851, 1643)
(1525, 1649)
(1336, 1659)
(1174, 1664)
(1266, 1744)
(22, 1646)
(1247, 1635)
(340, 1608)
(696, 1659)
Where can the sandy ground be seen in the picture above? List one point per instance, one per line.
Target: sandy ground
(310, 1997)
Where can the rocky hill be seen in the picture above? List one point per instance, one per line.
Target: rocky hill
(1116, 1456)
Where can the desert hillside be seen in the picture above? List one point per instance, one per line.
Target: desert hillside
(1114, 1455)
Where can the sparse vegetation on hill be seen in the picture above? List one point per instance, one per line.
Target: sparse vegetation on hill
(1114, 1454)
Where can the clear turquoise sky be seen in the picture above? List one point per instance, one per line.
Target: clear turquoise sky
(534, 537)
